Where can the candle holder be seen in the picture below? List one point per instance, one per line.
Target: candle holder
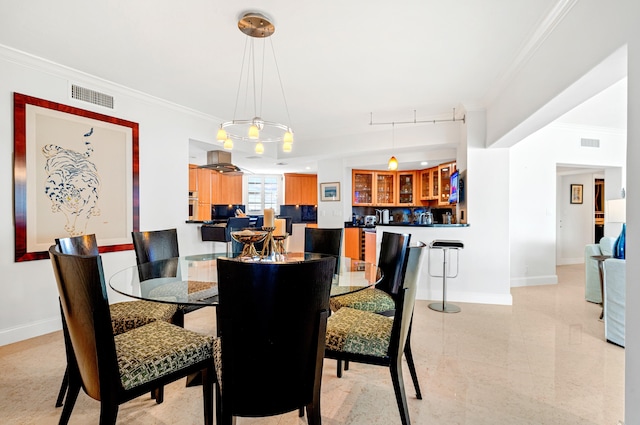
(269, 246)
(279, 243)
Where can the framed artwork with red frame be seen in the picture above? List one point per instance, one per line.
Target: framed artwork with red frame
(75, 172)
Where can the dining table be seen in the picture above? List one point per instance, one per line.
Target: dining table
(192, 279)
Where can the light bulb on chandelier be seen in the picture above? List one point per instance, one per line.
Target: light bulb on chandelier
(255, 26)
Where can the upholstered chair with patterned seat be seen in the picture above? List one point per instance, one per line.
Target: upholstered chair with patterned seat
(112, 368)
(125, 316)
(323, 241)
(366, 337)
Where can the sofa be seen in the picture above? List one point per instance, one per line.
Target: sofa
(592, 291)
(614, 300)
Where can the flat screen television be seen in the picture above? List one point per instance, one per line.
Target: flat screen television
(454, 187)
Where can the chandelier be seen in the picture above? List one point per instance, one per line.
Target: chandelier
(257, 130)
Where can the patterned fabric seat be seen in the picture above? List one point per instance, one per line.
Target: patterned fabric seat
(359, 332)
(372, 299)
(158, 349)
(126, 316)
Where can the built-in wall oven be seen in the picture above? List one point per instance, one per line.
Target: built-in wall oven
(193, 205)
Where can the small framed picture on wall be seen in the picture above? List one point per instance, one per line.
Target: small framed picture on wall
(330, 191)
(576, 194)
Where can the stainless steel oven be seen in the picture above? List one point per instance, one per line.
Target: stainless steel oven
(193, 205)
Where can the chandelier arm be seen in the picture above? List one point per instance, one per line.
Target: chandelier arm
(286, 106)
(253, 69)
(262, 78)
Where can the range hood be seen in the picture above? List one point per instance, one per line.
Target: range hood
(220, 161)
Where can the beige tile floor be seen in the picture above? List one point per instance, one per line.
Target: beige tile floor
(541, 361)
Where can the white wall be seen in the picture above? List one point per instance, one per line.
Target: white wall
(535, 193)
(29, 305)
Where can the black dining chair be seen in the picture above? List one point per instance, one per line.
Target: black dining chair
(367, 337)
(112, 368)
(384, 297)
(124, 315)
(323, 241)
(155, 245)
(272, 334)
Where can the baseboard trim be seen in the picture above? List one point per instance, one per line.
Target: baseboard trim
(32, 330)
(534, 281)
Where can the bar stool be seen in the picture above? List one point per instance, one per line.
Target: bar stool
(445, 246)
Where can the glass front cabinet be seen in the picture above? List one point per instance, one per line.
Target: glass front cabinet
(385, 188)
(406, 188)
(362, 187)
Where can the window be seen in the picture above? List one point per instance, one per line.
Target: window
(263, 191)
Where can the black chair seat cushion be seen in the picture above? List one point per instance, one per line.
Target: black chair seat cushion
(372, 299)
(158, 349)
(126, 316)
(360, 332)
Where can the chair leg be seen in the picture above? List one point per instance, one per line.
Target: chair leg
(108, 412)
(339, 366)
(72, 395)
(158, 394)
(207, 395)
(412, 369)
(346, 365)
(398, 388)
(313, 414)
(63, 387)
(223, 416)
(301, 412)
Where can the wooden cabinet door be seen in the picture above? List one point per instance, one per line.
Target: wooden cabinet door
(204, 185)
(352, 243)
(385, 188)
(228, 189)
(406, 188)
(300, 189)
(362, 184)
(370, 247)
(444, 175)
(193, 178)
(434, 193)
(425, 184)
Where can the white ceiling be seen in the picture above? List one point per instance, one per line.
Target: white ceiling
(339, 62)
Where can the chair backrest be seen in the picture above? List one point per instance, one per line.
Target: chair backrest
(272, 324)
(323, 241)
(78, 245)
(153, 246)
(83, 296)
(393, 262)
(407, 298)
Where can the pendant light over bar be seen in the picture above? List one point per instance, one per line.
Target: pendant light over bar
(256, 130)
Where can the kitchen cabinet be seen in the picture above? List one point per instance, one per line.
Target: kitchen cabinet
(385, 188)
(429, 184)
(193, 178)
(444, 175)
(226, 189)
(300, 189)
(406, 188)
(362, 182)
(370, 247)
(352, 242)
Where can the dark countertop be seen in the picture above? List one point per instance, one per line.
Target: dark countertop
(425, 225)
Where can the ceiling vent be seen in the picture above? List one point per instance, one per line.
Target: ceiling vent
(590, 143)
(91, 96)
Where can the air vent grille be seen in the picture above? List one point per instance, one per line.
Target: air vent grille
(91, 96)
(590, 143)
